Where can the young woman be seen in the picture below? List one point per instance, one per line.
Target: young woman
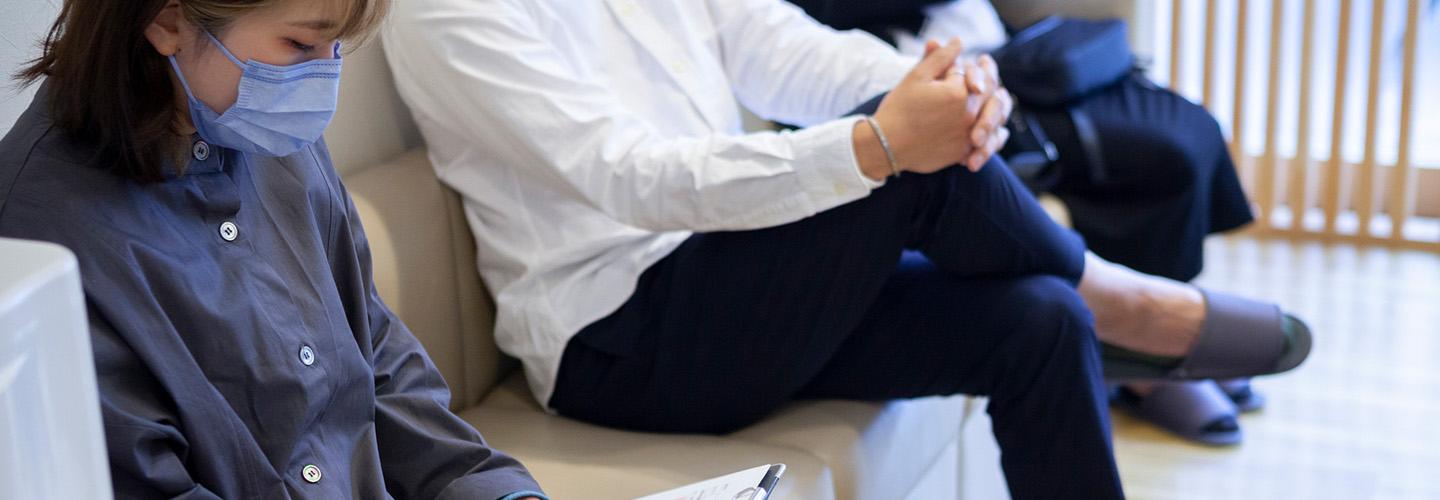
(242, 350)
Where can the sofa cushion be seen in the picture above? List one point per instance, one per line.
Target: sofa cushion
(424, 262)
(873, 450)
(573, 459)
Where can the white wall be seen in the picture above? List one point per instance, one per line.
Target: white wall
(22, 24)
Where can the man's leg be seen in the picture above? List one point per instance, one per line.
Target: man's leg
(730, 326)
(1168, 179)
(1026, 342)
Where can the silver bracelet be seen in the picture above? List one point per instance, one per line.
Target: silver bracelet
(884, 144)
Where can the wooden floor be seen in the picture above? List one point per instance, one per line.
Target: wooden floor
(1360, 420)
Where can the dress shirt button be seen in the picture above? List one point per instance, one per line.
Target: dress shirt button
(840, 189)
(201, 150)
(229, 231)
(311, 473)
(307, 355)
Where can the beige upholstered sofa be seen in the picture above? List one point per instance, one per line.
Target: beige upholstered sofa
(425, 269)
(930, 449)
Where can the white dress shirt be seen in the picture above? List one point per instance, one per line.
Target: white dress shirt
(590, 138)
(975, 22)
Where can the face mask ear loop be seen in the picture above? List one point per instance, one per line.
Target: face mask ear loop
(181, 75)
(223, 50)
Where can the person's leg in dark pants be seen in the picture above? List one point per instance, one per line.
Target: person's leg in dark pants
(775, 304)
(1168, 182)
(1020, 340)
(1168, 179)
(731, 326)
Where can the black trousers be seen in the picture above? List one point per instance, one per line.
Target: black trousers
(950, 283)
(1168, 180)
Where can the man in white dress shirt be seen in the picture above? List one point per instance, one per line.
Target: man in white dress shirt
(655, 268)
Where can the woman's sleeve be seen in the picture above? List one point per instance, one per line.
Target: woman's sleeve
(147, 452)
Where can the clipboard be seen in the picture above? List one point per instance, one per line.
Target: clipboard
(756, 483)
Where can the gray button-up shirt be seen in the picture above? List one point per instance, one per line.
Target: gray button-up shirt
(241, 348)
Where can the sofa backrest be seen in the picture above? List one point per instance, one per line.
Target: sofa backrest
(424, 261)
(421, 246)
(371, 124)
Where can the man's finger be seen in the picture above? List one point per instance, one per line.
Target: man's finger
(975, 78)
(936, 65)
(1008, 100)
(992, 71)
(988, 120)
(976, 161)
(955, 81)
(1001, 137)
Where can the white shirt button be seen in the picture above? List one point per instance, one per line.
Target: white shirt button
(201, 150)
(229, 231)
(311, 473)
(307, 355)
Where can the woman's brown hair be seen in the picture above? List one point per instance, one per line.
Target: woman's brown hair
(106, 85)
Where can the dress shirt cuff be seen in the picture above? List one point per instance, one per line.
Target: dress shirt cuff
(509, 483)
(874, 184)
(825, 161)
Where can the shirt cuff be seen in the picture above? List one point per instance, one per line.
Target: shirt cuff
(874, 184)
(826, 164)
(507, 484)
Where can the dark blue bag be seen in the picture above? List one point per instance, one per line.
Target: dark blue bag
(1058, 60)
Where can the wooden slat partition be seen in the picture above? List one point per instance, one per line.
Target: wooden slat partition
(1402, 178)
(1300, 168)
(1331, 196)
(1237, 125)
(1365, 187)
(1177, 40)
(1208, 75)
(1265, 178)
(1377, 190)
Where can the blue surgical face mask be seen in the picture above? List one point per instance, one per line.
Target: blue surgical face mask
(279, 110)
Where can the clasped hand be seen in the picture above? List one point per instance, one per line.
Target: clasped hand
(946, 113)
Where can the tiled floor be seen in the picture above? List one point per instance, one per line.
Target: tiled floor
(1360, 420)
